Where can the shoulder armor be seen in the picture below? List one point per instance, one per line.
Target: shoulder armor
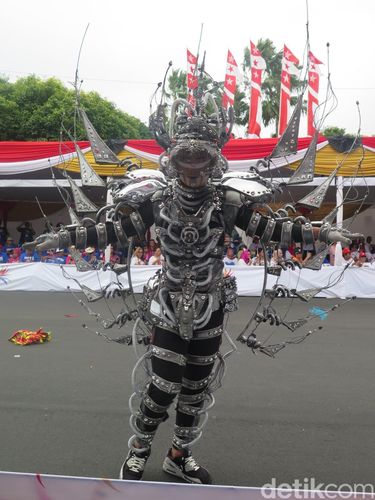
(249, 184)
(138, 186)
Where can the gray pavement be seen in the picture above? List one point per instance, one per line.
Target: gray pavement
(309, 413)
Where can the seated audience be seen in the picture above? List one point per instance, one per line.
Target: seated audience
(29, 256)
(157, 259)
(137, 258)
(230, 259)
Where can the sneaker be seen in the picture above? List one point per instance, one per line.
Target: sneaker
(186, 468)
(134, 465)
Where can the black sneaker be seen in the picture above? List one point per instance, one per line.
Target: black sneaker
(134, 465)
(186, 468)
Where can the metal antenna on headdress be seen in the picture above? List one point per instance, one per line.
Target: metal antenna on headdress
(77, 85)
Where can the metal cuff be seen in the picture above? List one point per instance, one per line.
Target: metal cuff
(253, 224)
(208, 334)
(149, 420)
(307, 234)
(166, 385)
(81, 237)
(187, 432)
(196, 384)
(155, 407)
(167, 355)
(268, 231)
(201, 360)
(101, 232)
(138, 224)
(120, 234)
(286, 234)
(188, 410)
(323, 232)
(64, 238)
(193, 398)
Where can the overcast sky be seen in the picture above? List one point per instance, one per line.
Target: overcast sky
(129, 43)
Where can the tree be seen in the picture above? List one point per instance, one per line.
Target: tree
(334, 131)
(35, 109)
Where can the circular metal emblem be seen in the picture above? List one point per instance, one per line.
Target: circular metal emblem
(189, 235)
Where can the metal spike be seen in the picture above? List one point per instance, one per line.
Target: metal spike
(314, 199)
(305, 171)
(82, 203)
(101, 152)
(274, 270)
(293, 325)
(288, 142)
(73, 217)
(308, 294)
(81, 264)
(331, 216)
(316, 262)
(88, 175)
(91, 295)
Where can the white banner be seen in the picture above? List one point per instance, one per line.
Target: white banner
(42, 277)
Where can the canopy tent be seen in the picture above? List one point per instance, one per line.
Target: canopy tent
(25, 169)
(25, 157)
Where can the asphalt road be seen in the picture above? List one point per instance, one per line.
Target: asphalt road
(309, 413)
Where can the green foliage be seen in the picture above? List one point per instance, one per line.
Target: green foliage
(33, 109)
(334, 131)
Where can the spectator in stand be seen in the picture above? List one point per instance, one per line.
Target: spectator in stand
(236, 241)
(297, 257)
(3, 256)
(90, 256)
(149, 250)
(346, 255)
(255, 245)
(58, 257)
(332, 252)
(354, 251)
(157, 259)
(137, 259)
(277, 257)
(114, 257)
(230, 258)
(9, 244)
(3, 233)
(361, 261)
(259, 259)
(29, 256)
(244, 258)
(13, 255)
(369, 249)
(27, 232)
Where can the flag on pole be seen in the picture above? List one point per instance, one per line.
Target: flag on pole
(288, 68)
(313, 91)
(191, 77)
(257, 65)
(230, 82)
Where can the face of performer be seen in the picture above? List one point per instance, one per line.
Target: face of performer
(193, 161)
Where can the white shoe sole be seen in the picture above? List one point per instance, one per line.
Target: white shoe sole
(171, 468)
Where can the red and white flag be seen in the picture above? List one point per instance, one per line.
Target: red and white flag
(232, 74)
(257, 65)
(191, 77)
(313, 91)
(288, 68)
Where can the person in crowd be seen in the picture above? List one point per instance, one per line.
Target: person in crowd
(347, 256)
(13, 255)
(3, 256)
(236, 241)
(369, 249)
(354, 251)
(114, 257)
(244, 257)
(157, 259)
(90, 256)
(255, 245)
(297, 255)
(149, 250)
(9, 244)
(29, 256)
(277, 257)
(230, 258)
(26, 231)
(3, 233)
(58, 258)
(361, 261)
(137, 258)
(332, 253)
(258, 260)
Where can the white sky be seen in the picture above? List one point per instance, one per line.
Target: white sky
(129, 44)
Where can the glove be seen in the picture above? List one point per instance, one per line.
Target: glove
(336, 234)
(48, 241)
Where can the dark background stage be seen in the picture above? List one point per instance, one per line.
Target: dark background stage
(308, 413)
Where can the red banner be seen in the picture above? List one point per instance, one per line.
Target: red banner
(191, 77)
(288, 68)
(230, 82)
(257, 65)
(313, 92)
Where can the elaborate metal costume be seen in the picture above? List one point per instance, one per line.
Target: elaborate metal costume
(193, 202)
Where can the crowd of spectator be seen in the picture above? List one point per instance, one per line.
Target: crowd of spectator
(237, 253)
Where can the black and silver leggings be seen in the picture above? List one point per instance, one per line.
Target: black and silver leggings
(180, 368)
